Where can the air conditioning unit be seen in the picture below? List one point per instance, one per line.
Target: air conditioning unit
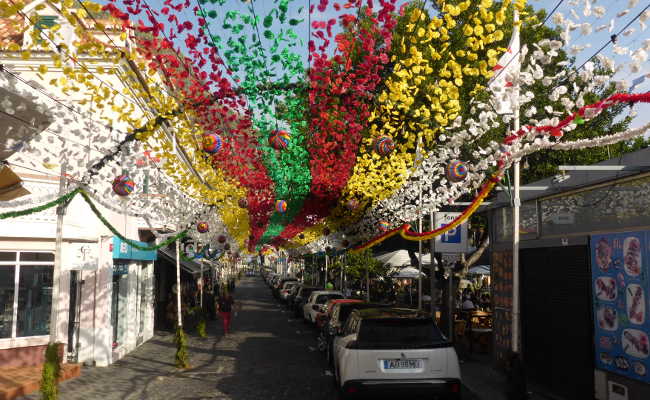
(617, 391)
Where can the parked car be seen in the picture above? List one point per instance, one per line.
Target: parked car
(279, 285)
(322, 318)
(286, 289)
(301, 297)
(395, 350)
(339, 315)
(316, 301)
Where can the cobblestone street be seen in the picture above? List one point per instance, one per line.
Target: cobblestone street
(266, 357)
(269, 355)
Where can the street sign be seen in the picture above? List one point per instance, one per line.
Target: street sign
(81, 256)
(454, 240)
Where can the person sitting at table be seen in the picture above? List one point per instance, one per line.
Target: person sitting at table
(468, 304)
(485, 301)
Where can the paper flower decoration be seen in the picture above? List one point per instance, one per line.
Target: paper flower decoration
(123, 185)
(456, 171)
(221, 239)
(383, 226)
(202, 227)
(384, 145)
(212, 143)
(281, 206)
(279, 140)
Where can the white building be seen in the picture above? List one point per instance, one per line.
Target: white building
(104, 307)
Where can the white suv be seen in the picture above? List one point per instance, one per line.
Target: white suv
(395, 350)
(316, 301)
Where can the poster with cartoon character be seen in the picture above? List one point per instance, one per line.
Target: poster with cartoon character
(620, 286)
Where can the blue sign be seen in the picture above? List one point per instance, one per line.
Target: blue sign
(452, 236)
(124, 251)
(620, 285)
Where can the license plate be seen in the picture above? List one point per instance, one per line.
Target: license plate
(402, 364)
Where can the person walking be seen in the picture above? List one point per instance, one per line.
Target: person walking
(225, 305)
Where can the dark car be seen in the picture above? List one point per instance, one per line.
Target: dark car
(301, 297)
(292, 295)
(340, 314)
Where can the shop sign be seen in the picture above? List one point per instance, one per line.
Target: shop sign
(620, 287)
(120, 269)
(81, 256)
(454, 240)
(124, 251)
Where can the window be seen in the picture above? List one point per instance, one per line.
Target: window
(25, 293)
(399, 332)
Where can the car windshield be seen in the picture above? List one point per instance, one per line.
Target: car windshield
(402, 333)
(323, 298)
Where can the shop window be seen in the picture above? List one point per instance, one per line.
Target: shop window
(25, 293)
(7, 274)
(623, 204)
(34, 301)
(119, 302)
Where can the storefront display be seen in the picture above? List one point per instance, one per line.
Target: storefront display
(619, 265)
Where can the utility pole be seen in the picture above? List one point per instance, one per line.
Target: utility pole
(58, 259)
(515, 219)
(420, 250)
(434, 262)
(178, 283)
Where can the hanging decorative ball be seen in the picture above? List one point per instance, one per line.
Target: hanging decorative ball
(279, 140)
(384, 145)
(202, 227)
(226, 246)
(123, 185)
(221, 239)
(212, 143)
(383, 226)
(243, 203)
(352, 204)
(456, 171)
(281, 206)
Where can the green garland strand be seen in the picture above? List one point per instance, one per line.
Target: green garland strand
(119, 235)
(68, 197)
(63, 199)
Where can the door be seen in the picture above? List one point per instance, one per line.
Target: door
(74, 309)
(557, 327)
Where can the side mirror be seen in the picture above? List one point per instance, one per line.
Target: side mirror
(316, 307)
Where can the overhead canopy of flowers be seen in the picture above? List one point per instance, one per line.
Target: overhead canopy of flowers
(281, 122)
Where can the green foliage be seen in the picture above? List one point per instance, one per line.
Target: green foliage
(182, 358)
(200, 328)
(358, 264)
(51, 373)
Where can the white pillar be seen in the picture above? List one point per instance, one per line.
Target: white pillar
(56, 271)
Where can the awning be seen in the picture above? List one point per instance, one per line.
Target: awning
(189, 266)
(11, 186)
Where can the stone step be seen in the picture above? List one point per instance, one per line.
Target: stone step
(16, 382)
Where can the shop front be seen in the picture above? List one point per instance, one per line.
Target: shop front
(131, 310)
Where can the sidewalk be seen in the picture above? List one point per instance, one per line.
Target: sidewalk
(487, 383)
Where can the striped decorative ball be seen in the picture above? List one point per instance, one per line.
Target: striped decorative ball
(384, 226)
(221, 239)
(384, 145)
(352, 204)
(202, 227)
(456, 171)
(281, 206)
(212, 143)
(279, 140)
(123, 185)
